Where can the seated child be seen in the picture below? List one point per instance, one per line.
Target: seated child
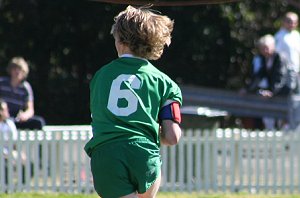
(9, 131)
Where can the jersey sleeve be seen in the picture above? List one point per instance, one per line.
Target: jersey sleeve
(173, 93)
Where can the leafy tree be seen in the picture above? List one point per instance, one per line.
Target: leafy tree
(66, 41)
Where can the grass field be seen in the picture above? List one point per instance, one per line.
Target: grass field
(160, 195)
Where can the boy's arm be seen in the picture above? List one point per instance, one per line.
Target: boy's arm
(170, 118)
(170, 132)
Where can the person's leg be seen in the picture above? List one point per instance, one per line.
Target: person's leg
(152, 191)
(36, 122)
(269, 123)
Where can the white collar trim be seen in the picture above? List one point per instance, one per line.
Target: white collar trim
(131, 56)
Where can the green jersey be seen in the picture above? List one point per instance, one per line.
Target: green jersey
(126, 96)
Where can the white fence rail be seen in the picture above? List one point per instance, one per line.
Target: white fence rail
(224, 160)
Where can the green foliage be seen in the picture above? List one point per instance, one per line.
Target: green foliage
(66, 41)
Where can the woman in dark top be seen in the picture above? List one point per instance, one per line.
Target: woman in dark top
(18, 94)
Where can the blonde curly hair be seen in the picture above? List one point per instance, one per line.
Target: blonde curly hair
(143, 31)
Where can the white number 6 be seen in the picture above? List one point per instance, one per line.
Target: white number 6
(117, 93)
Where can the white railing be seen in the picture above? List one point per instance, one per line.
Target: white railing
(223, 160)
(233, 160)
(55, 161)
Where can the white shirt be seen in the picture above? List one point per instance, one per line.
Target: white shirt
(131, 56)
(288, 44)
(8, 131)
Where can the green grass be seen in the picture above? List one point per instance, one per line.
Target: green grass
(240, 195)
(160, 195)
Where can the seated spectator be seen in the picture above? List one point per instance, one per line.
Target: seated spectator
(7, 126)
(8, 132)
(271, 74)
(18, 94)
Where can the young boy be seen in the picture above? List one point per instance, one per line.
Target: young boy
(8, 128)
(134, 108)
(8, 131)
